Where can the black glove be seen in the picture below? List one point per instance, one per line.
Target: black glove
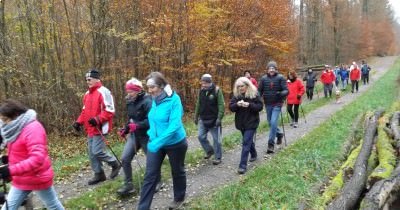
(4, 172)
(93, 121)
(298, 97)
(1, 139)
(218, 122)
(4, 159)
(77, 126)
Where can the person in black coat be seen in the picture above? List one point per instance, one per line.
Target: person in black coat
(246, 103)
(310, 78)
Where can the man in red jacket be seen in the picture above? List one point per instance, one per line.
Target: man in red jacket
(328, 78)
(96, 117)
(355, 76)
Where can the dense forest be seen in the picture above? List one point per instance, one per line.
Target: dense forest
(46, 46)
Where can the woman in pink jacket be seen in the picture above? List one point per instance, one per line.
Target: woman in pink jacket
(29, 165)
(296, 91)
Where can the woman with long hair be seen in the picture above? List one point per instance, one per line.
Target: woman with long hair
(246, 103)
(296, 91)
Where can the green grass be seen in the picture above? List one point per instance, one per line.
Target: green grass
(286, 180)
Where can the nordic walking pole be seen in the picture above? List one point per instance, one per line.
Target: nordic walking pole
(316, 89)
(283, 128)
(109, 147)
(302, 111)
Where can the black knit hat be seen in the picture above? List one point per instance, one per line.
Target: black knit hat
(93, 73)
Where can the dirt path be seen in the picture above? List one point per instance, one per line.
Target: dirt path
(206, 178)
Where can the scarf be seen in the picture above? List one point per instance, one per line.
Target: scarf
(10, 131)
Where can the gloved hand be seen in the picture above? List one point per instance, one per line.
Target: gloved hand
(298, 97)
(196, 120)
(218, 122)
(4, 159)
(4, 172)
(132, 127)
(94, 121)
(77, 126)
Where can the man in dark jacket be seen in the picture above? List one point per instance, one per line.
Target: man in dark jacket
(310, 78)
(273, 88)
(365, 72)
(209, 112)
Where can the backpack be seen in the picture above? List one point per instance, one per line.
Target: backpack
(365, 69)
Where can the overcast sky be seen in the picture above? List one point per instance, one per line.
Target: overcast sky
(396, 7)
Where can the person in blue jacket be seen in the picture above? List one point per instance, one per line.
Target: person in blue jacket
(167, 136)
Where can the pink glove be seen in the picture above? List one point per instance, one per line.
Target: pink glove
(132, 127)
(122, 132)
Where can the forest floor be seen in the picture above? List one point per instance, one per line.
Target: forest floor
(206, 178)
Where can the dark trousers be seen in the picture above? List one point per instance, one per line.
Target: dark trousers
(354, 83)
(248, 146)
(365, 78)
(310, 92)
(176, 154)
(328, 90)
(293, 110)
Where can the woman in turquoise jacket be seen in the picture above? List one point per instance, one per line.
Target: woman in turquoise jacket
(167, 136)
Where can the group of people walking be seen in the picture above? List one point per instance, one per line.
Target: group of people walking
(154, 124)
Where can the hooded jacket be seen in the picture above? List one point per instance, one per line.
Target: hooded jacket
(295, 88)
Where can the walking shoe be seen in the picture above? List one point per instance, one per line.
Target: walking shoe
(98, 177)
(270, 149)
(175, 205)
(115, 167)
(159, 186)
(209, 154)
(126, 189)
(291, 123)
(216, 161)
(241, 170)
(279, 137)
(295, 125)
(252, 159)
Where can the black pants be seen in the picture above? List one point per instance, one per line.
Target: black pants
(365, 78)
(310, 92)
(176, 155)
(354, 83)
(293, 110)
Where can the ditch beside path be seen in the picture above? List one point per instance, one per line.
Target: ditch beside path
(206, 178)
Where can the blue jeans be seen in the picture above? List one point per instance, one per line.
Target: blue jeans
(216, 135)
(248, 146)
(97, 153)
(273, 113)
(48, 196)
(176, 155)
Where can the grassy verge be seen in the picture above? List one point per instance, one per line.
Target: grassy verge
(287, 179)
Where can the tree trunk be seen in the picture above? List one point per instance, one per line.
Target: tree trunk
(354, 187)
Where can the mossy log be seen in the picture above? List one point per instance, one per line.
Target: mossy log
(353, 188)
(378, 195)
(386, 154)
(394, 126)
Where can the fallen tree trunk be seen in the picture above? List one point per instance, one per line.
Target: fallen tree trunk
(354, 187)
(394, 125)
(379, 193)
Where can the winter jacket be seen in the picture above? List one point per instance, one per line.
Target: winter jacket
(210, 104)
(138, 110)
(273, 89)
(28, 159)
(310, 79)
(97, 103)
(327, 77)
(295, 88)
(246, 118)
(165, 119)
(344, 74)
(355, 74)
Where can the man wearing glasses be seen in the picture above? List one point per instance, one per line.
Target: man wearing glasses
(96, 117)
(273, 88)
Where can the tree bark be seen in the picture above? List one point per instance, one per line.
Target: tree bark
(354, 187)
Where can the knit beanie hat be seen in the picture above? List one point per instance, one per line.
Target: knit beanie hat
(134, 85)
(206, 78)
(272, 64)
(93, 73)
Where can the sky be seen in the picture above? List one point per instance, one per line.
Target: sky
(396, 7)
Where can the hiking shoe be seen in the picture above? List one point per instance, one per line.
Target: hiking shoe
(159, 186)
(209, 154)
(279, 137)
(252, 159)
(126, 189)
(115, 167)
(98, 177)
(216, 161)
(175, 205)
(241, 170)
(270, 149)
(295, 125)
